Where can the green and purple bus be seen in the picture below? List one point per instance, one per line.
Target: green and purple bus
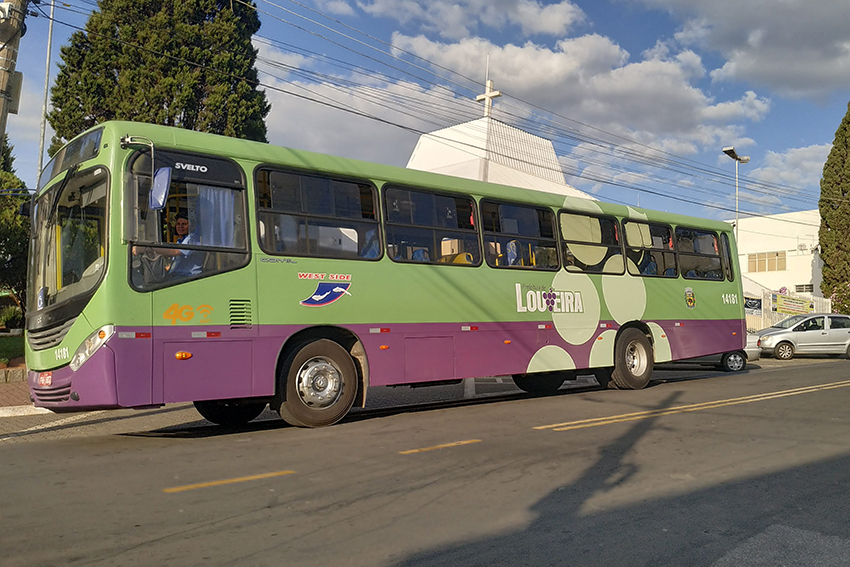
(302, 279)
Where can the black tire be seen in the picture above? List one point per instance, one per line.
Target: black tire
(230, 412)
(319, 381)
(733, 361)
(542, 383)
(633, 360)
(603, 377)
(783, 351)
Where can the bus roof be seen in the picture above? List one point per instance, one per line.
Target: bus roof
(263, 153)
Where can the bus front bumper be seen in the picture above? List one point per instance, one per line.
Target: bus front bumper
(91, 387)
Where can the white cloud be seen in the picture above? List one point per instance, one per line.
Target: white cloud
(336, 7)
(794, 168)
(461, 18)
(797, 48)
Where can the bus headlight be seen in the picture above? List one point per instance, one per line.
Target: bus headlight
(93, 342)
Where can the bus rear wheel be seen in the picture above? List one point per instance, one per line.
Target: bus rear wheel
(633, 360)
(543, 382)
(229, 412)
(320, 384)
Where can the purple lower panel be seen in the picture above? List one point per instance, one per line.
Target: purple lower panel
(92, 387)
(689, 339)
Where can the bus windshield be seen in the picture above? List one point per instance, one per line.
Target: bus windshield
(67, 255)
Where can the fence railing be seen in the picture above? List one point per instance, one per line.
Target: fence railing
(776, 307)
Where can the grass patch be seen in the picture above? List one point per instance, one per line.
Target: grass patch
(11, 347)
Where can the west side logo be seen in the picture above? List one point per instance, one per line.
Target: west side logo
(326, 293)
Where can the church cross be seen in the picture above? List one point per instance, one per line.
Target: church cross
(488, 97)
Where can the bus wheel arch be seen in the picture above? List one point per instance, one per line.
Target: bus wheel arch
(634, 357)
(321, 374)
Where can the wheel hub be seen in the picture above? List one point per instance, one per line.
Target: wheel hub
(636, 360)
(319, 383)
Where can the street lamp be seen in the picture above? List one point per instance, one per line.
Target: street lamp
(730, 151)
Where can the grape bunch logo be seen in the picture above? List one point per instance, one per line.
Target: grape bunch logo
(326, 293)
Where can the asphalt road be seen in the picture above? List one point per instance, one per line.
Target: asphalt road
(700, 468)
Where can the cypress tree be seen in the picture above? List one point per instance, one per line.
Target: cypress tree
(834, 234)
(14, 229)
(186, 63)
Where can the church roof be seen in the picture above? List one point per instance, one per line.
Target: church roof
(489, 150)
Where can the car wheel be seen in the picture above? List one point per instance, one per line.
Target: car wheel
(784, 351)
(230, 412)
(633, 360)
(320, 384)
(542, 383)
(733, 361)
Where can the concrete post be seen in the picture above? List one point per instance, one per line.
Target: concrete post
(10, 37)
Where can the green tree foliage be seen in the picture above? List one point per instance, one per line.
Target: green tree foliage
(6, 158)
(186, 63)
(834, 208)
(14, 231)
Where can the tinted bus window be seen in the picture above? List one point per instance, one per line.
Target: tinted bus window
(519, 236)
(650, 249)
(309, 215)
(427, 227)
(699, 254)
(591, 244)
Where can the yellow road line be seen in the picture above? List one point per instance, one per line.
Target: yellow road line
(444, 446)
(585, 423)
(225, 481)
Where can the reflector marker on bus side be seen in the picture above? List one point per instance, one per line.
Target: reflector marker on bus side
(544, 326)
(468, 328)
(443, 446)
(131, 335)
(205, 334)
(376, 331)
(225, 481)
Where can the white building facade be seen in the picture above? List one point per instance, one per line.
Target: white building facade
(781, 253)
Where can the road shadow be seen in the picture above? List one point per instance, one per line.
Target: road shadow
(794, 517)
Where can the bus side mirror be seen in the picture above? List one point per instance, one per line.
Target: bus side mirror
(25, 209)
(159, 191)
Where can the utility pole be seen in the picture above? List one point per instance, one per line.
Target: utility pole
(11, 27)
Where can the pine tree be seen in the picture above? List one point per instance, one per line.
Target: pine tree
(834, 208)
(186, 63)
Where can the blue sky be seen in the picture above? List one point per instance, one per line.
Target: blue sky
(638, 96)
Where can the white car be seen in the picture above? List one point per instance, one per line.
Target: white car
(815, 333)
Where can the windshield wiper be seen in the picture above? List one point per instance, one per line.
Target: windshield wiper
(54, 204)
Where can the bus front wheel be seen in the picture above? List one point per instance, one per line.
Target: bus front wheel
(320, 384)
(633, 360)
(229, 412)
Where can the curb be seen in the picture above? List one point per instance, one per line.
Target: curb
(21, 411)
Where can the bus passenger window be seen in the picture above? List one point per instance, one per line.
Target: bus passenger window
(649, 249)
(591, 243)
(424, 227)
(317, 216)
(519, 236)
(699, 254)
